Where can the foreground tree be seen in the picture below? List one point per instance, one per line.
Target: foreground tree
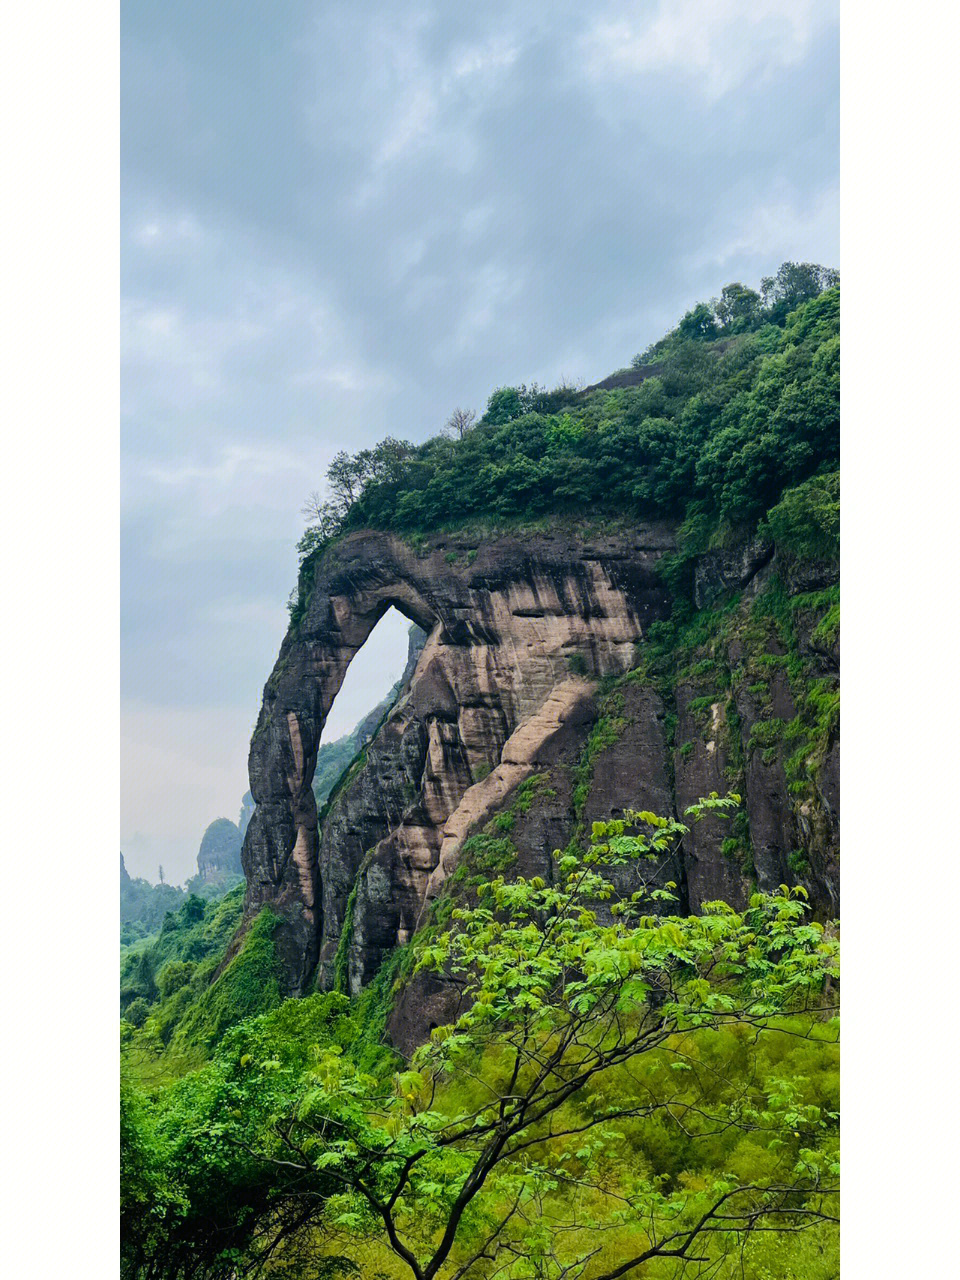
(469, 1160)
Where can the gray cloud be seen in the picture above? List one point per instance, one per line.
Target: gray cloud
(342, 220)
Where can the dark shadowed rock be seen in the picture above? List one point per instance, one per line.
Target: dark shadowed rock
(719, 572)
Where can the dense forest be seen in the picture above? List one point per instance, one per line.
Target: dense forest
(143, 905)
(626, 1090)
(737, 407)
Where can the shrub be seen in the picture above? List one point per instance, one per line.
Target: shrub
(174, 975)
(805, 523)
(137, 1012)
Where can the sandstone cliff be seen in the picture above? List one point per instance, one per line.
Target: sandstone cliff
(545, 697)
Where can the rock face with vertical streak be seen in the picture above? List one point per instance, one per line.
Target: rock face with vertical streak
(507, 620)
(521, 684)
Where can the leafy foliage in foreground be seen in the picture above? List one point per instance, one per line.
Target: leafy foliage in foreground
(623, 1093)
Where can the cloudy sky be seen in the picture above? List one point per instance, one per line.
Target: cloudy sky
(343, 219)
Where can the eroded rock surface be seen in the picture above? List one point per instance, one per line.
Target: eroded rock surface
(509, 621)
(505, 723)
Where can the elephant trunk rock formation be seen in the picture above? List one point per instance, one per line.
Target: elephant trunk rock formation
(512, 697)
(507, 621)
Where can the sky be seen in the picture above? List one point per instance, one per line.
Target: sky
(341, 221)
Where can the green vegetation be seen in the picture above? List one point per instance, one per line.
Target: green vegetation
(218, 861)
(687, 659)
(333, 761)
(610, 724)
(193, 1200)
(173, 1011)
(143, 906)
(492, 850)
(827, 631)
(805, 522)
(740, 309)
(342, 958)
(577, 664)
(624, 1090)
(735, 421)
(648, 1095)
(215, 887)
(337, 761)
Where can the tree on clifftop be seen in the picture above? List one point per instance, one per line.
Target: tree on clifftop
(460, 422)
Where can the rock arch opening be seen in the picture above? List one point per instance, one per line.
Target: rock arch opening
(492, 700)
(371, 678)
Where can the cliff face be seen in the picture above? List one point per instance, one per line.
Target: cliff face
(520, 717)
(505, 619)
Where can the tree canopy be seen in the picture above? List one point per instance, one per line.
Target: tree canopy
(741, 404)
(623, 1089)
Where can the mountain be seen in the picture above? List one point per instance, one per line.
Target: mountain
(631, 599)
(219, 853)
(546, 1015)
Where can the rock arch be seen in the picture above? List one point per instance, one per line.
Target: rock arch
(519, 628)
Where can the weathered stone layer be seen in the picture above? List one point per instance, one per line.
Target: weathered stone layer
(506, 687)
(508, 621)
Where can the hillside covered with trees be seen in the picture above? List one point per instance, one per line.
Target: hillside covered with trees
(624, 1089)
(740, 404)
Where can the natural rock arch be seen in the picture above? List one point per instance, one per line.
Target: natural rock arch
(495, 684)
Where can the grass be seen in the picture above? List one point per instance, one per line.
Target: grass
(827, 631)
